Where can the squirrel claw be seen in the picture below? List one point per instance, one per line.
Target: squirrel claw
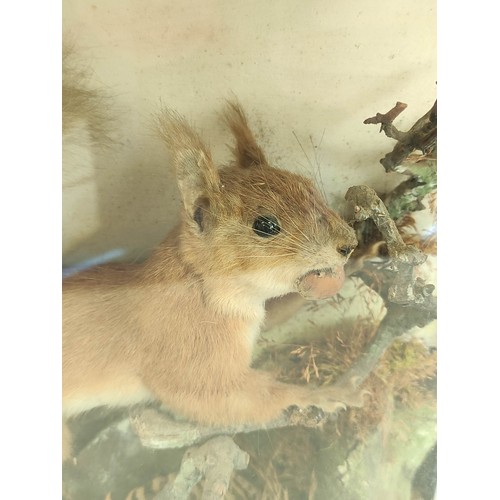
(312, 416)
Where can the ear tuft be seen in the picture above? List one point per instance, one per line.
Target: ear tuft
(196, 174)
(247, 152)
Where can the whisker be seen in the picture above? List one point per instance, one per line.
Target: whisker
(316, 158)
(311, 172)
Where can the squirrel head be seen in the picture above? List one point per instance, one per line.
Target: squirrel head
(255, 227)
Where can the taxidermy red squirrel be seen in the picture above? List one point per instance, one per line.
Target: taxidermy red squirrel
(180, 328)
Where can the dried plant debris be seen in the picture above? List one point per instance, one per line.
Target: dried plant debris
(406, 371)
(320, 361)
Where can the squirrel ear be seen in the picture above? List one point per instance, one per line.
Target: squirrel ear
(196, 174)
(247, 152)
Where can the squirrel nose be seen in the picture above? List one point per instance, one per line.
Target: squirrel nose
(344, 250)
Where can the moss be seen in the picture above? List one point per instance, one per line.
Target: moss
(408, 196)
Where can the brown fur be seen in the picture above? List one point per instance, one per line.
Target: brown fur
(180, 328)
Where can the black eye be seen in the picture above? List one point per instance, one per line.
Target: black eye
(266, 225)
(344, 251)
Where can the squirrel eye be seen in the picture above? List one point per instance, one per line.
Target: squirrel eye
(266, 226)
(344, 250)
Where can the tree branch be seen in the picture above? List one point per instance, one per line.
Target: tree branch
(404, 290)
(215, 460)
(421, 136)
(409, 301)
(159, 430)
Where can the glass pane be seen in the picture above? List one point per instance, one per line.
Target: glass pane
(258, 320)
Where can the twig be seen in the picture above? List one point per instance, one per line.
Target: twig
(215, 460)
(421, 136)
(387, 118)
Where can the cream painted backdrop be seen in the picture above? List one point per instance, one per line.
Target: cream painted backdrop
(307, 72)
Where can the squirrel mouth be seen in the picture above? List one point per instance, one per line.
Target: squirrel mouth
(320, 283)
